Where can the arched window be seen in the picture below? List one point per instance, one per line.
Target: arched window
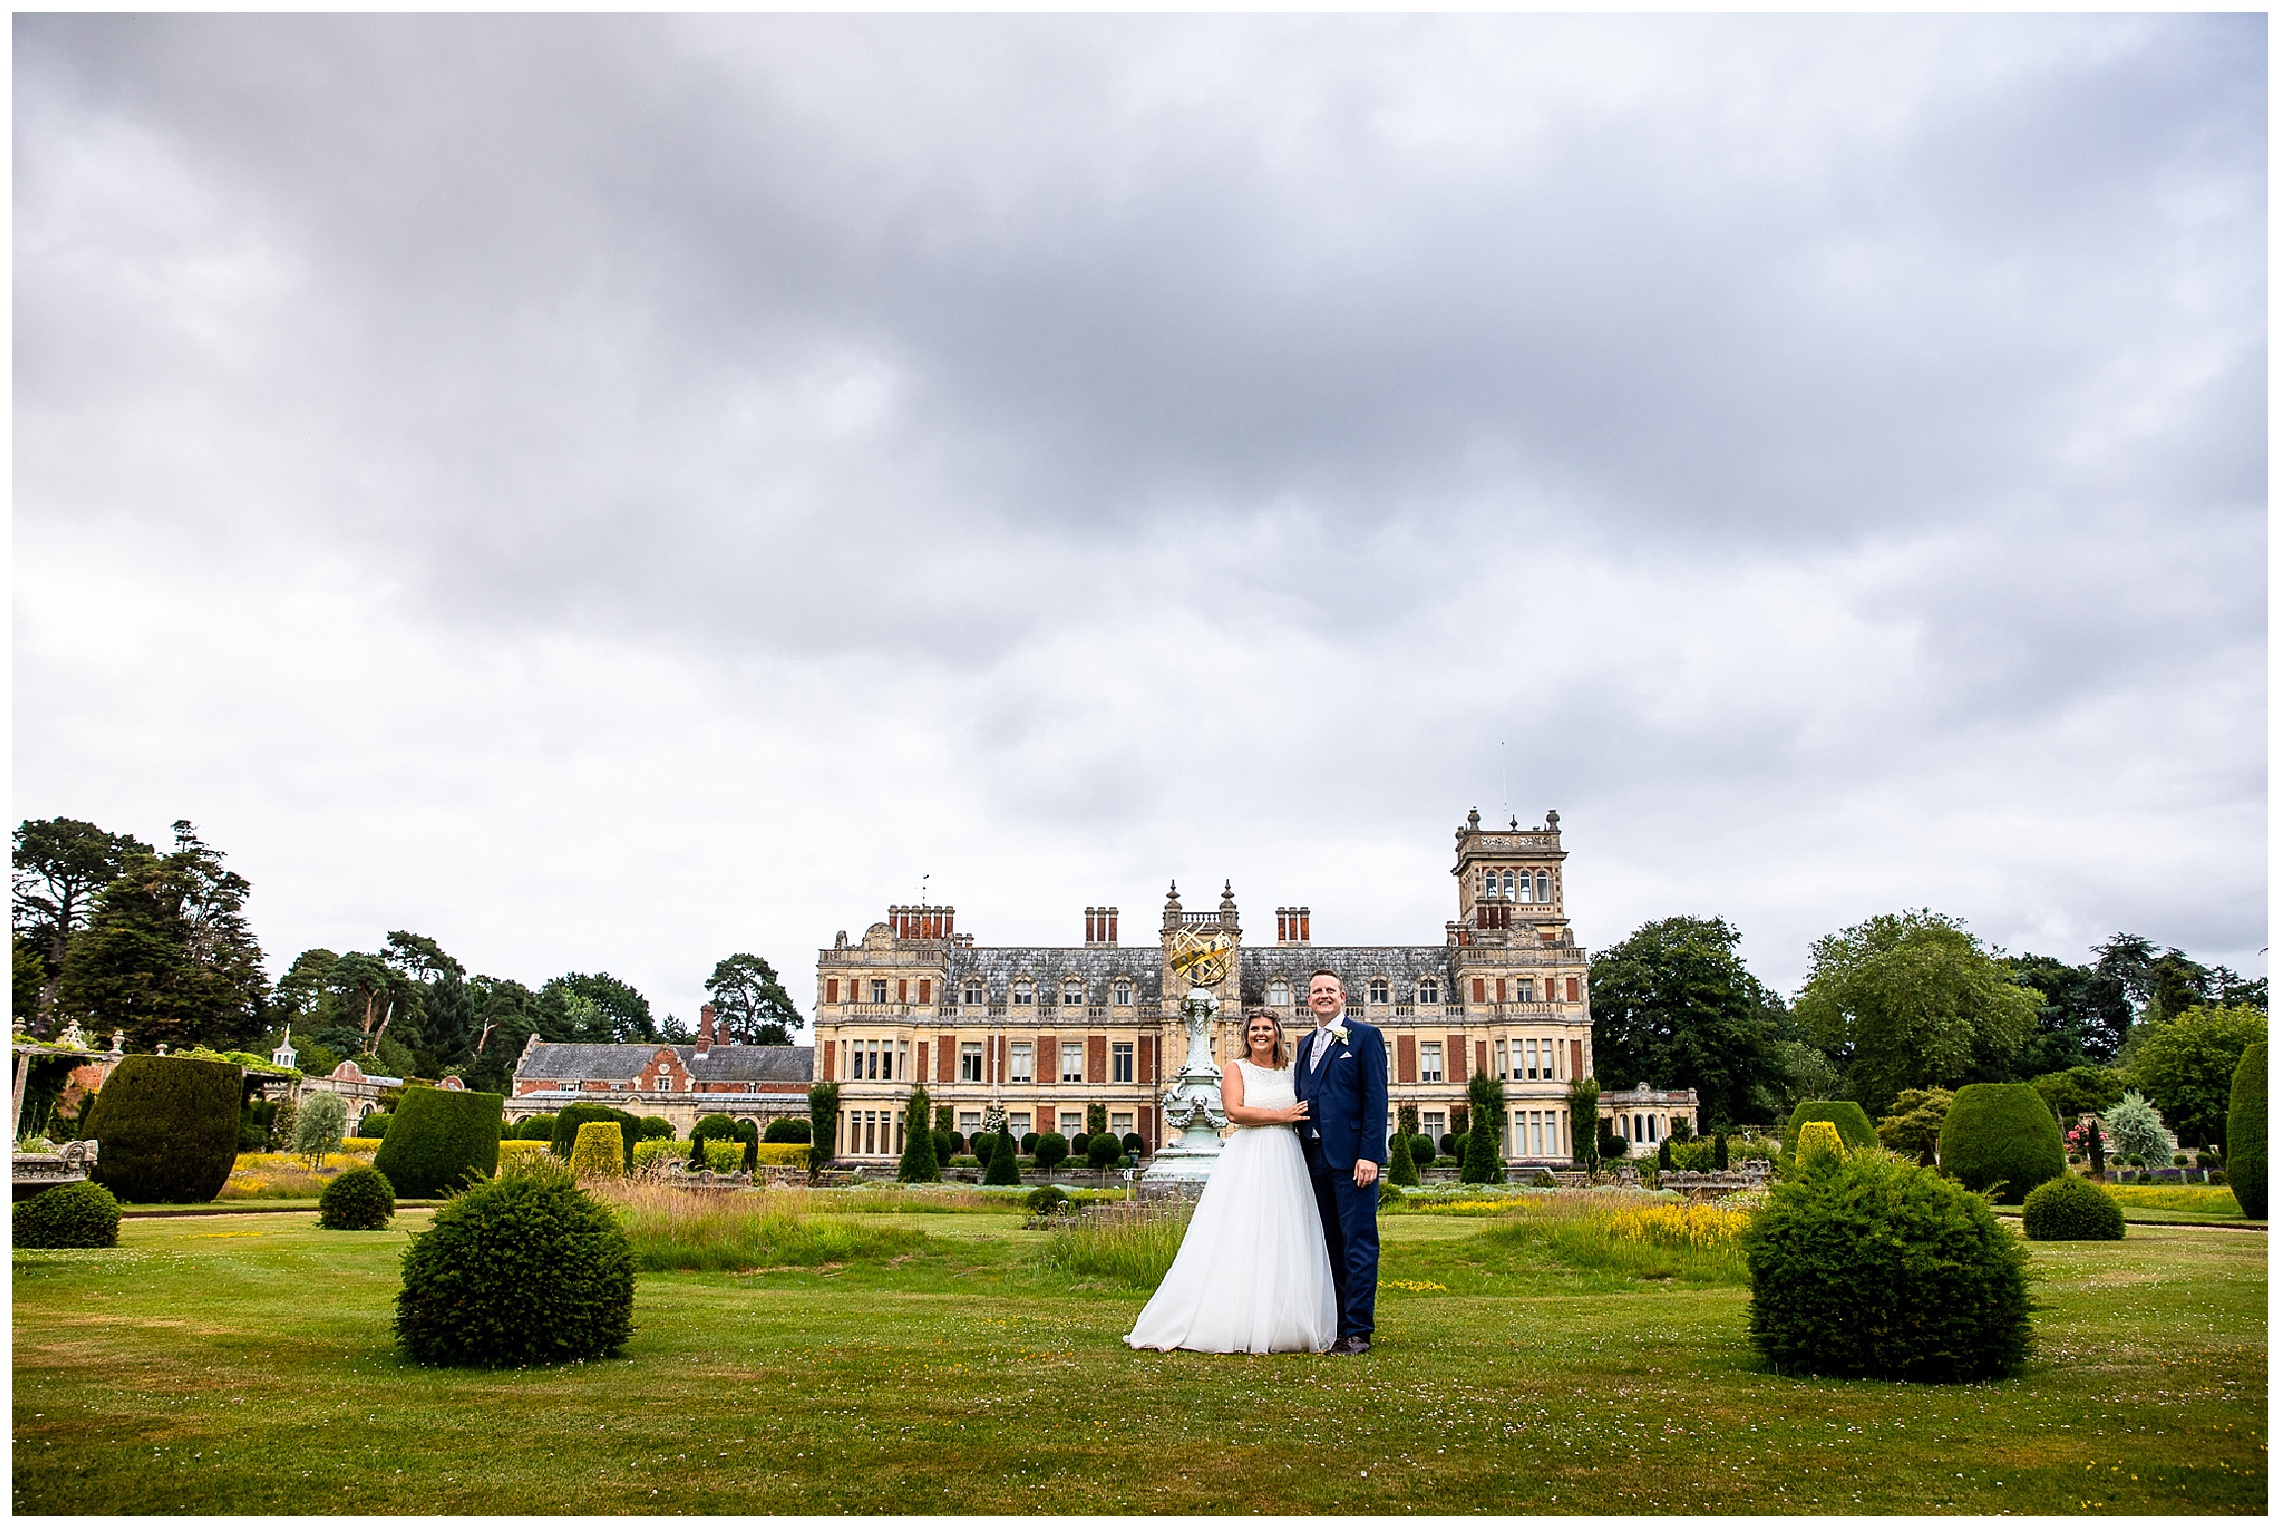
(1123, 993)
(1523, 896)
(1072, 996)
(1381, 991)
(1428, 991)
(1508, 883)
(1488, 883)
(1278, 993)
(1543, 886)
(1022, 993)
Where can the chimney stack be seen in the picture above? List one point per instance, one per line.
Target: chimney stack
(704, 1031)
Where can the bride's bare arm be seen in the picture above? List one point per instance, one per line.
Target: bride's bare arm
(1240, 1113)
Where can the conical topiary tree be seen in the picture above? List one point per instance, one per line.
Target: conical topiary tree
(918, 1164)
(2245, 1134)
(1003, 1171)
(1400, 1166)
(1484, 1145)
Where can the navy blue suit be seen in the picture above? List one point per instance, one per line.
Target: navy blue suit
(1345, 1123)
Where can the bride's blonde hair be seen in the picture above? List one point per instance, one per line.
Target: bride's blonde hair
(1282, 1046)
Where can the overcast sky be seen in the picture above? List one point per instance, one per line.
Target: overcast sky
(608, 493)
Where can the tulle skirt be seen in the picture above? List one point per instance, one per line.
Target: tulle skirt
(1252, 1275)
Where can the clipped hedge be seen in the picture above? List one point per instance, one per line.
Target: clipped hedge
(723, 1156)
(1051, 1151)
(374, 1126)
(441, 1139)
(1853, 1125)
(655, 1127)
(68, 1215)
(600, 1150)
(511, 1152)
(1999, 1135)
(525, 1269)
(538, 1127)
(1817, 1137)
(1004, 1172)
(361, 1199)
(167, 1128)
(2072, 1209)
(2245, 1133)
(1868, 1267)
(567, 1122)
(1103, 1151)
(783, 1131)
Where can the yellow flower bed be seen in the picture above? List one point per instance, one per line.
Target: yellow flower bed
(1680, 1225)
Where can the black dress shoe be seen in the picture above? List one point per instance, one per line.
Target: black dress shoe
(1348, 1346)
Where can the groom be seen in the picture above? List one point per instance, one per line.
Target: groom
(1341, 1079)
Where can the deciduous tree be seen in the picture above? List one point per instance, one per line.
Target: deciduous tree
(2185, 1067)
(750, 1003)
(1672, 1006)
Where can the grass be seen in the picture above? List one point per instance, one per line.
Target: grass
(2177, 1202)
(1131, 1243)
(245, 1365)
(682, 1230)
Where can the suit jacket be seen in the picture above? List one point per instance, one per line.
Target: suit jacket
(1346, 1095)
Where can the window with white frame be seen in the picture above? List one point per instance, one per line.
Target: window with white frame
(969, 1121)
(1072, 1123)
(1120, 1124)
(1072, 996)
(1524, 989)
(1543, 886)
(1120, 1061)
(1500, 1071)
(1023, 994)
(970, 1061)
(1123, 994)
(1433, 1124)
(1428, 991)
(977, 994)
(1429, 1061)
(1381, 990)
(1072, 1061)
(878, 989)
(1021, 1064)
(1018, 1123)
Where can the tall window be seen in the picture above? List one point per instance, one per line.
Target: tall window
(1543, 886)
(878, 989)
(1071, 1123)
(1507, 883)
(1429, 1061)
(1022, 1067)
(1120, 1061)
(1120, 1124)
(1434, 1125)
(1380, 990)
(1428, 991)
(1123, 994)
(1278, 993)
(970, 1061)
(1072, 1061)
(977, 994)
(1021, 994)
(1524, 989)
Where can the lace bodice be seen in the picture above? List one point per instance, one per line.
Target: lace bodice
(1267, 1089)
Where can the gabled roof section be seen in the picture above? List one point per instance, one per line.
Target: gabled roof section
(622, 1063)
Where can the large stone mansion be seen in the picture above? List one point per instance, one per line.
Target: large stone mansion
(1044, 1032)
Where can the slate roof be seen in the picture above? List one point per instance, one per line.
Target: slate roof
(1402, 964)
(1097, 966)
(622, 1063)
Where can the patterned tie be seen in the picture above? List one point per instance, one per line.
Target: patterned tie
(1321, 1049)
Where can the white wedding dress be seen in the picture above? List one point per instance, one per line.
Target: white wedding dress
(1252, 1275)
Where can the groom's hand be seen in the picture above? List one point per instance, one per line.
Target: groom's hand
(1365, 1173)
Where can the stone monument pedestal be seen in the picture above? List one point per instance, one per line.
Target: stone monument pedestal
(1191, 1104)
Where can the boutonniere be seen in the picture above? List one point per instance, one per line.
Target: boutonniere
(1338, 1032)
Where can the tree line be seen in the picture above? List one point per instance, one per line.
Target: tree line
(1912, 1003)
(115, 934)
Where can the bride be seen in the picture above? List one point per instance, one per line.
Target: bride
(1252, 1275)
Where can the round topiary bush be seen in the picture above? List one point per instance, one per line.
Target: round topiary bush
(1452, 1144)
(655, 1127)
(1051, 1150)
(68, 1215)
(793, 1132)
(1869, 1267)
(374, 1126)
(600, 1151)
(167, 1128)
(441, 1140)
(1999, 1135)
(525, 1269)
(1029, 1144)
(1080, 1144)
(538, 1127)
(1421, 1150)
(1103, 1151)
(1047, 1200)
(1851, 1120)
(2245, 1133)
(360, 1199)
(1135, 1144)
(2072, 1209)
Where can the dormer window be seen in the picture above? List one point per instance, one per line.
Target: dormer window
(975, 994)
(1381, 991)
(1278, 993)
(1023, 994)
(1123, 994)
(1072, 996)
(1428, 990)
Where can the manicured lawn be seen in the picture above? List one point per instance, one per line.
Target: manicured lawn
(244, 1364)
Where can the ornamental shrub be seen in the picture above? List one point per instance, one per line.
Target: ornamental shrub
(787, 1131)
(1135, 1144)
(2137, 1132)
(1421, 1150)
(1051, 1151)
(1662, 1157)
(981, 1146)
(361, 1199)
(924, 1148)
(1400, 1167)
(1080, 1143)
(1103, 1150)
(1096, 1118)
(1484, 1144)
(1816, 1136)
(538, 1127)
(2072, 1209)
(574, 1116)
(721, 1156)
(68, 1215)
(1869, 1267)
(600, 1150)
(656, 1127)
(1047, 1200)
(1851, 1120)
(965, 1159)
(1718, 1152)
(167, 1128)
(2245, 1133)
(948, 1144)
(1389, 1192)
(1452, 1143)
(648, 1156)
(317, 1125)
(1999, 1135)
(1542, 1179)
(525, 1269)
(1004, 1171)
(374, 1126)
(1029, 1144)
(441, 1139)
